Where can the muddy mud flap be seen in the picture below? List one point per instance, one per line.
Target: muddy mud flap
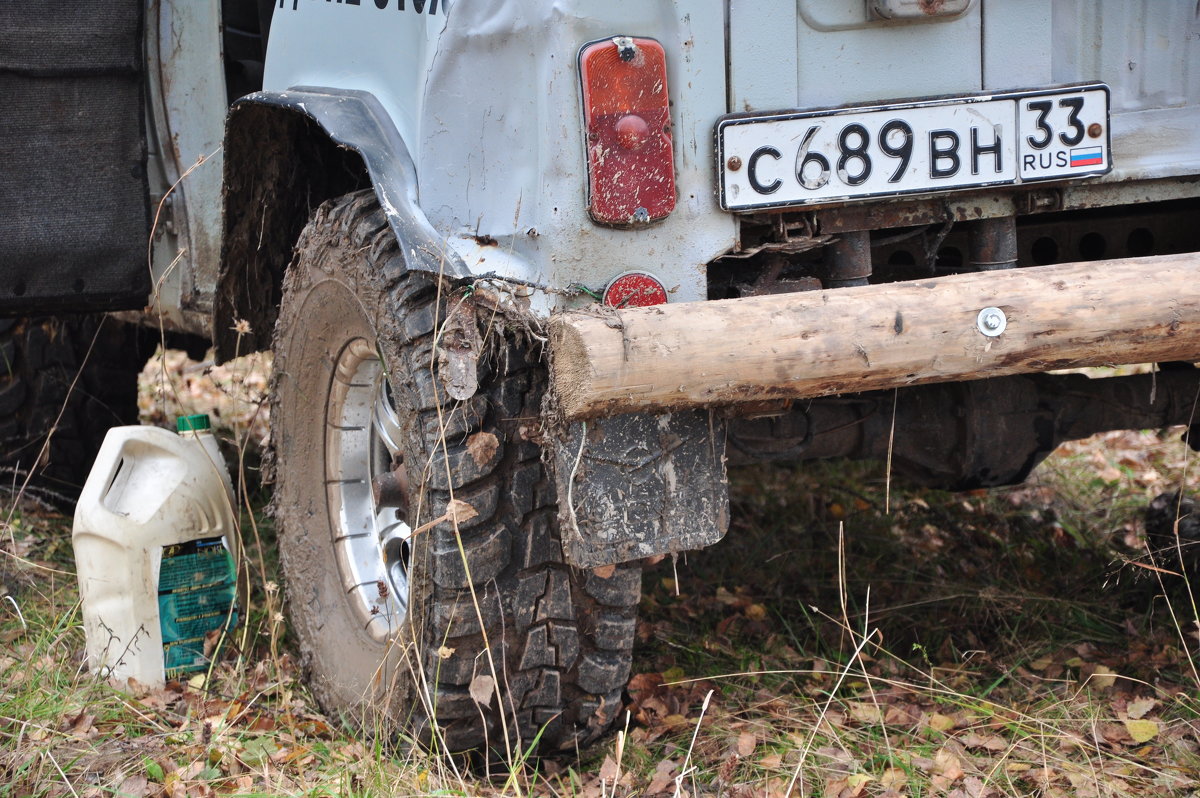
(639, 485)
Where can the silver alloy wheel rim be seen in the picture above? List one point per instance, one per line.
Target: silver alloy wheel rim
(370, 539)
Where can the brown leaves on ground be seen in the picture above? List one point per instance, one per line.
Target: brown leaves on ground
(243, 732)
(233, 393)
(1004, 659)
(659, 707)
(1000, 661)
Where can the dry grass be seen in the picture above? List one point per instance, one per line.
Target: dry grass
(1016, 643)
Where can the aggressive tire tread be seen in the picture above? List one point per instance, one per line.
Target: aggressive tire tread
(41, 357)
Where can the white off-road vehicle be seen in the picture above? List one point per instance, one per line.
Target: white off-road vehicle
(534, 272)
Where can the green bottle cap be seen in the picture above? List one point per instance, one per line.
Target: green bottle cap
(194, 423)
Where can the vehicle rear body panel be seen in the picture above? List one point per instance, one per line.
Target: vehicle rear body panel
(805, 54)
(823, 53)
(487, 99)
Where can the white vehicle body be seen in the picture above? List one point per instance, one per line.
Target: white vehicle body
(486, 98)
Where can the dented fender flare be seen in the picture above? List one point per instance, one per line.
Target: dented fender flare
(350, 124)
(356, 120)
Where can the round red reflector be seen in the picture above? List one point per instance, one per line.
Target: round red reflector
(632, 131)
(635, 290)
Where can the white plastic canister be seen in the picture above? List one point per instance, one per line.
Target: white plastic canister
(154, 539)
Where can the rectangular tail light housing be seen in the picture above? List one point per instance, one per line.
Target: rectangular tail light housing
(627, 119)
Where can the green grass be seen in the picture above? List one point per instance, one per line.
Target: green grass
(1009, 643)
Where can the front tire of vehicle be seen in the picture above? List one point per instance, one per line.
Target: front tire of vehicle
(483, 630)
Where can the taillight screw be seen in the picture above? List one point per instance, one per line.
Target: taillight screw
(641, 216)
(734, 163)
(626, 49)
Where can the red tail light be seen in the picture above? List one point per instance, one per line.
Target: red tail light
(635, 290)
(631, 167)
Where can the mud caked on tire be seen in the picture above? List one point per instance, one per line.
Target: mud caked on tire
(475, 624)
(64, 380)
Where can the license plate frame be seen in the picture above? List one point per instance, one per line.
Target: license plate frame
(799, 159)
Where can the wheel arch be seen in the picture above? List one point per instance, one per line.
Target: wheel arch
(285, 154)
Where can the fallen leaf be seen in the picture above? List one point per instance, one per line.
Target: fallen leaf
(746, 742)
(456, 512)
(1103, 677)
(482, 687)
(482, 446)
(770, 761)
(1137, 708)
(725, 597)
(946, 765)
(756, 612)
(973, 787)
(258, 750)
(81, 724)
(940, 722)
(662, 780)
(674, 674)
(1142, 731)
(458, 347)
(866, 713)
(838, 759)
(459, 511)
(859, 780)
(1115, 733)
(675, 721)
(837, 788)
(850, 786)
(989, 742)
(893, 779)
(608, 769)
(262, 723)
(445, 652)
(135, 786)
(906, 715)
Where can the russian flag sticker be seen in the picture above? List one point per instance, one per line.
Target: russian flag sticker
(1087, 156)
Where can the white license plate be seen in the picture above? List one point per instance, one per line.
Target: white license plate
(811, 158)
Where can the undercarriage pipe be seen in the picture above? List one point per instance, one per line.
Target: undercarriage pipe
(993, 244)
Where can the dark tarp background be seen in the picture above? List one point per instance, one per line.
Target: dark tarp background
(74, 215)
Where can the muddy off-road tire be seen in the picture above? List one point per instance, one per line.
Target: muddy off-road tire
(397, 629)
(40, 359)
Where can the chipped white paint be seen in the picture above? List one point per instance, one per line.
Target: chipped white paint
(503, 159)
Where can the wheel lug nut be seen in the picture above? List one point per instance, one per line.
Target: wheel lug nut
(390, 489)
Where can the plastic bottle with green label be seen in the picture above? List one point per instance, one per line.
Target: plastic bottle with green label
(155, 542)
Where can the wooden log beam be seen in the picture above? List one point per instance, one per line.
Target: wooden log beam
(817, 343)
